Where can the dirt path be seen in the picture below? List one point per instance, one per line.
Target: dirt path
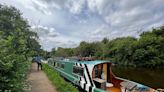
(38, 81)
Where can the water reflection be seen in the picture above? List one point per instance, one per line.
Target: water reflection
(150, 77)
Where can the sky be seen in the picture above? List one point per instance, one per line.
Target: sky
(65, 23)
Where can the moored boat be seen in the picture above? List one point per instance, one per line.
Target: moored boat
(95, 76)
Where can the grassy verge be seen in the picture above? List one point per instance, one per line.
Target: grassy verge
(60, 84)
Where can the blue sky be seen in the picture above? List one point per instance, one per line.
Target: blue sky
(65, 23)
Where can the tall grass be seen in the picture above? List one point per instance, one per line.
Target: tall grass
(60, 84)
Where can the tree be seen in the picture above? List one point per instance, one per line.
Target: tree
(86, 49)
(105, 40)
(16, 44)
(53, 52)
(146, 51)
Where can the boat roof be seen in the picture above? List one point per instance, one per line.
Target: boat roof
(85, 62)
(92, 62)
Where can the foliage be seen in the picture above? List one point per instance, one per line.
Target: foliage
(146, 51)
(60, 84)
(17, 43)
(64, 52)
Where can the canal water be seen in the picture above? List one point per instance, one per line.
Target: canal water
(150, 77)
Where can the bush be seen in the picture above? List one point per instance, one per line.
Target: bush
(60, 84)
(15, 48)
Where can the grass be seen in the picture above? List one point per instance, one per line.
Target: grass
(58, 82)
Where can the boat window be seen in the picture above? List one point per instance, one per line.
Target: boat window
(78, 70)
(62, 66)
(58, 64)
(98, 73)
(54, 63)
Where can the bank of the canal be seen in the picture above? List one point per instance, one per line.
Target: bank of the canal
(150, 77)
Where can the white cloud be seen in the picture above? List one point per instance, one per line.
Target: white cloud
(41, 6)
(60, 41)
(44, 31)
(75, 6)
(49, 38)
(67, 22)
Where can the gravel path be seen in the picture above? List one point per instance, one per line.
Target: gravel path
(38, 81)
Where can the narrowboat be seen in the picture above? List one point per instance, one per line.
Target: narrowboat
(95, 76)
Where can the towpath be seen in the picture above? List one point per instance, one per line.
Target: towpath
(38, 81)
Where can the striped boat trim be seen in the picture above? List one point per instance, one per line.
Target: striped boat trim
(85, 82)
(88, 74)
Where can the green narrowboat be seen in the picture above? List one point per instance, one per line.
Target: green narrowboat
(95, 76)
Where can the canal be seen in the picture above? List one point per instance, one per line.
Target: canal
(150, 77)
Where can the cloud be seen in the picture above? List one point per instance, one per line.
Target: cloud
(64, 23)
(41, 6)
(75, 6)
(44, 31)
(49, 38)
(100, 33)
(59, 41)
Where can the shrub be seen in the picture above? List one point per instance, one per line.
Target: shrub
(15, 48)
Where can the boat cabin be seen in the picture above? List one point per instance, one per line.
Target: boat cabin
(101, 75)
